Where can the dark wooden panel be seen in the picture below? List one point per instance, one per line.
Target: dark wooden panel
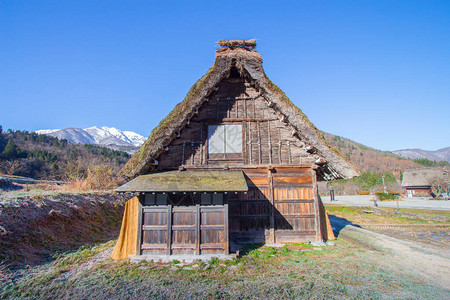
(249, 212)
(154, 237)
(155, 218)
(183, 230)
(154, 230)
(213, 232)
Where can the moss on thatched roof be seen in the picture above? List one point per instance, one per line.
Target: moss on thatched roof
(248, 62)
(188, 181)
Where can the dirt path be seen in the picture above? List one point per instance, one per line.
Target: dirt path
(432, 264)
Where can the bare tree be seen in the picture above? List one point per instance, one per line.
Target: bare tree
(439, 185)
(10, 167)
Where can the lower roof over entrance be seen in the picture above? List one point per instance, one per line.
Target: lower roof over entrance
(188, 181)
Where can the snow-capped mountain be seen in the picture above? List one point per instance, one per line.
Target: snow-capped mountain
(110, 135)
(104, 136)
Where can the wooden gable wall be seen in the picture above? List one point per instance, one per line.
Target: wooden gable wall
(281, 204)
(267, 140)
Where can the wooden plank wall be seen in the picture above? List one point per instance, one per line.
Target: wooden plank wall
(279, 207)
(266, 138)
(250, 213)
(295, 216)
(280, 204)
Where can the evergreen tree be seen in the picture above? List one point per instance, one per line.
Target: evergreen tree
(11, 151)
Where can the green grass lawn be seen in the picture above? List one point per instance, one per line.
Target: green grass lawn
(443, 213)
(363, 215)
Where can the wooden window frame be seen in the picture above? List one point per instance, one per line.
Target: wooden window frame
(225, 157)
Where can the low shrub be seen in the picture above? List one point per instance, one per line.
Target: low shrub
(389, 196)
(364, 192)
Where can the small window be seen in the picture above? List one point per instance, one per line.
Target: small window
(149, 199)
(214, 199)
(205, 199)
(161, 199)
(225, 141)
(217, 199)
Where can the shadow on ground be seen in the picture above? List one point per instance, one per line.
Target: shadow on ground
(338, 223)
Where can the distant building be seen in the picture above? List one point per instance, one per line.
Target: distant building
(418, 182)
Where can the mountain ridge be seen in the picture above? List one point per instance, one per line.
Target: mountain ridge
(363, 157)
(436, 155)
(110, 137)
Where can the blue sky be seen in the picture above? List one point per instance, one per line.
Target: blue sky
(377, 72)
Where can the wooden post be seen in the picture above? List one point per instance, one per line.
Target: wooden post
(279, 146)
(259, 143)
(182, 157)
(315, 192)
(270, 142)
(197, 229)
(250, 143)
(169, 229)
(289, 152)
(139, 226)
(272, 237)
(225, 230)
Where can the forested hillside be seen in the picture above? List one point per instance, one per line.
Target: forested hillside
(369, 159)
(44, 157)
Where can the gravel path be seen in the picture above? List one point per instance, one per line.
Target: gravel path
(430, 263)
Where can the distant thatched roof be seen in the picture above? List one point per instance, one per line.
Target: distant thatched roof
(421, 177)
(248, 62)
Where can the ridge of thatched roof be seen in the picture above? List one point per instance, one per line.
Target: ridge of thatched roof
(248, 62)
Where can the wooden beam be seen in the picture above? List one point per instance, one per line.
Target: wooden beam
(197, 229)
(270, 143)
(316, 207)
(272, 237)
(225, 225)
(169, 230)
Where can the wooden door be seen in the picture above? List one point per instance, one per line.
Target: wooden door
(214, 229)
(184, 230)
(184, 233)
(155, 224)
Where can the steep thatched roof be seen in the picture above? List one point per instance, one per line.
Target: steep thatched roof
(248, 62)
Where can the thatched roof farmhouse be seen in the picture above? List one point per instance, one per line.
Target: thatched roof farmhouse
(235, 162)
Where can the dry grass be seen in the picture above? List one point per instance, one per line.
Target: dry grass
(4, 271)
(36, 226)
(98, 178)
